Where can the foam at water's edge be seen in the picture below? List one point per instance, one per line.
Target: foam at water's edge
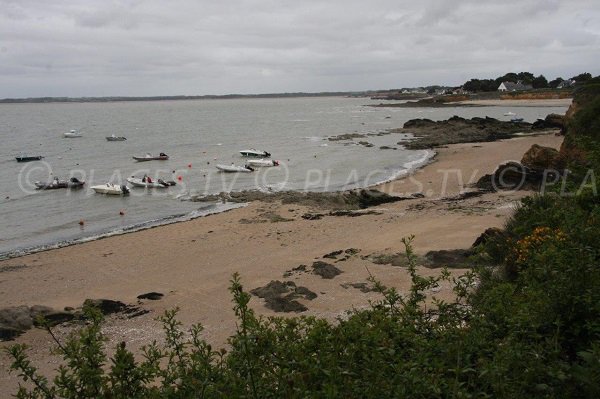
(216, 208)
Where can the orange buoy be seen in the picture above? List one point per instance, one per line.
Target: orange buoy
(81, 222)
(179, 178)
(189, 165)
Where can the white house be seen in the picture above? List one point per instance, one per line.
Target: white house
(511, 86)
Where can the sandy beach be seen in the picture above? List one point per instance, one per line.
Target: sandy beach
(558, 102)
(192, 262)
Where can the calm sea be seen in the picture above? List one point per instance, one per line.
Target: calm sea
(196, 135)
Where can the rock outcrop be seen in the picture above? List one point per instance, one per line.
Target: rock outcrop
(430, 133)
(540, 158)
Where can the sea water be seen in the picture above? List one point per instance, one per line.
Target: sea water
(197, 135)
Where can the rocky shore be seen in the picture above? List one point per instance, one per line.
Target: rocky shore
(428, 133)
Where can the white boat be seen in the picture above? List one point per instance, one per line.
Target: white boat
(509, 113)
(72, 134)
(255, 153)
(262, 162)
(149, 157)
(115, 138)
(149, 183)
(111, 189)
(235, 169)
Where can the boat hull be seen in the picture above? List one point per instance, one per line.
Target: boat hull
(255, 154)
(145, 159)
(263, 163)
(111, 189)
(137, 182)
(29, 159)
(110, 138)
(233, 169)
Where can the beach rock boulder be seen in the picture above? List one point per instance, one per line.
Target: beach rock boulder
(106, 306)
(153, 296)
(491, 233)
(325, 270)
(540, 158)
(449, 258)
(511, 175)
(552, 121)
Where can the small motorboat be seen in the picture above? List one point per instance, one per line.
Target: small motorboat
(509, 113)
(515, 120)
(24, 158)
(72, 134)
(149, 157)
(255, 153)
(115, 138)
(262, 162)
(56, 184)
(111, 189)
(235, 169)
(147, 182)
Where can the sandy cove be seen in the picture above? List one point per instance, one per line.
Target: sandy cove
(192, 262)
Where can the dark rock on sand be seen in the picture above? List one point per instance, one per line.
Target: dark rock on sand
(15, 320)
(363, 287)
(394, 259)
(273, 294)
(334, 254)
(366, 144)
(312, 216)
(55, 318)
(552, 121)
(540, 158)
(449, 258)
(491, 233)
(325, 270)
(350, 200)
(153, 296)
(106, 306)
(8, 333)
(514, 176)
(296, 270)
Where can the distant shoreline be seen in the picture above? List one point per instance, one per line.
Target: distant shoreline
(38, 100)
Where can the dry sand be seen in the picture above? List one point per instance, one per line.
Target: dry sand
(558, 102)
(192, 262)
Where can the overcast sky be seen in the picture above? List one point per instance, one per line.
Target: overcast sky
(145, 48)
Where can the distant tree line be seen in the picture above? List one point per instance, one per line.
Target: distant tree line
(537, 82)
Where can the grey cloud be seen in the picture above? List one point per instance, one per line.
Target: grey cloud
(191, 47)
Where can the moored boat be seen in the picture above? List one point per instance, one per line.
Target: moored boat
(255, 153)
(509, 113)
(56, 184)
(262, 162)
(147, 182)
(72, 134)
(235, 168)
(111, 189)
(115, 138)
(515, 119)
(25, 158)
(149, 157)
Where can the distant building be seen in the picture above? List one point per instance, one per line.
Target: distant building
(565, 84)
(511, 86)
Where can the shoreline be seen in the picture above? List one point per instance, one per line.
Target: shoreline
(182, 218)
(192, 262)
